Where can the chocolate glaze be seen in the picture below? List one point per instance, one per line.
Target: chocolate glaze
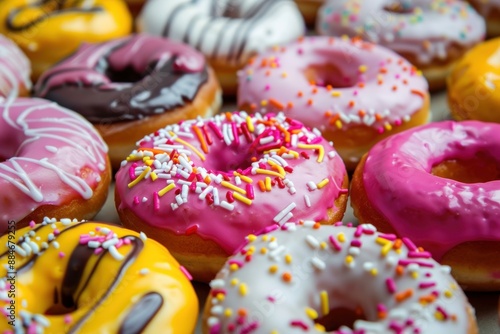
(57, 10)
(141, 313)
(122, 81)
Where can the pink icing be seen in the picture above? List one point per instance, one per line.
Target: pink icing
(373, 86)
(156, 50)
(400, 186)
(45, 147)
(426, 30)
(306, 178)
(15, 69)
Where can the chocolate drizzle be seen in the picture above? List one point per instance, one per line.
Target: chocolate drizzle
(141, 313)
(53, 8)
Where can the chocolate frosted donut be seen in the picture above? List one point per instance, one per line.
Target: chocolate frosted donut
(139, 82)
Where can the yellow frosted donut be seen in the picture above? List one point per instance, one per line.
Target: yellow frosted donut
(85, 277)
(474, 84)
(50, 30)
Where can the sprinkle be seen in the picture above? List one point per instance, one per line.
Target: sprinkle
(320, 148)
(273, 269)
(323, 183)
(311, 313)
(336, 245)
(318, 263)
(403, 295)
(144, 271)
(284, 212)
(391, 285)
(243, 289)
(312, 241)
(194, 149)
(325, 307)
(299, 323)
(140, 177)
(165, 190)
(287, 277)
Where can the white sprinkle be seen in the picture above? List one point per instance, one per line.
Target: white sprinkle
(354, 251)
(332, 154)
(143, 236)
(50, 148)
(318, 264)
(205, 192)
(44, 245)
(312, 186)
(55, 244)
(307, 200)
(212, 321)
(227, 205)
(215, 192)
(292, 190)
(108, 243)
(51, 236)
(184, 192)
(104, 230)
(66, 221)
(144, 199)
(237, 180)
(446, 269)
(276, 252)
(26, 247)
(34, 247)
(309, 223)
(285, 219)
(266, 140)
(312, 241)
(217, 283)
(115, 253)
(273, 245)
(144, 271)
(216, 310)
(41, 320)
(368, 266)
(284, 212)
(179, 200)
(391, 260)
(93, 244)
(20, 251)
(24, 303)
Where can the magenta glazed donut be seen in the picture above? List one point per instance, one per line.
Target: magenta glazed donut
(439, 185)
(201, 186)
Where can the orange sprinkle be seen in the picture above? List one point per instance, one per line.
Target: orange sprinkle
(289, 105)
(262, 185)
(405, 82)
(400, 61)
(277, 104)
(242, 312)
(400, 270)
(253, 106)
(403, 295)
(394, 88)
(316, 226)
(361, 85)
(397, 244)
(328, 113)
(378, 117)
(287, 277)
(334, 119)
(207, 179)
(300, 39)
(229, 116)
(420, 249)
(155, 151)
(382, 315)
(253, 159)
(268, 73)
(382, 70)
(331, 40)
(309, 102)
(201, 138)
(418, 92)
(329, 87)
(361, 112)
(352, 103)
(427, 299)
(312, 82)
(314, 90)
(300, 94)
(263, 63)
(380, 81)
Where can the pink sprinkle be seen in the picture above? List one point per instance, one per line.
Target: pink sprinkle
(336, 245)
(391, 285)
(380, 130)
(359, 231)
(390, 237)
(368, 231)
(156, 201)
(68, 319)
(249, 328)
(270, 228)
(316, 140)
(398, 122)
(411, 246)
(215, 329)
(420, 263)
(32, 223)
(355, 93)
(236, 262)
(119, 244)
(215, 129)
(288, 169)
(396, 327)
(136, 200)
(61, 255)
(356, 243)
(299, 323)
(425, 285)
(98, 250)
(32, 328)
(300, 51)
(267, 87)
(250, 192)
(343, 191)
(443, 312)
(131, 172)
(271, 299)
(56, 232)
(235, 134)
(126, 241)
(425, 255)
(381, 308)
(338, 224)
(186, 273)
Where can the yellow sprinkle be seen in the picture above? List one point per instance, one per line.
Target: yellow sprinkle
(220, 296)
(323, 245)
(243, 199)
(349, 259)
(274, 332)
(133, 158)
(273, 268)
(288, 258)
(382, 241)
(387, 126)
(147, 161)
(233, 267)
(448, 294)
(140, 177)
(251, 237)
(263, 103)
(233, 187)
(268, 172)
(234, 281)
(243, 289)
(250, 126)
(386, 248)
(280, 169)
(228, 312)
(439, 316)
(165, 190)
(250, 250)
(374, 272)
(320, 327)
(320, 148)
(185, 143)
(323, 183)
(263, 250)
(363, 68)
(453, 286)
(341, 237)
(414, 275)
(284, 74)
(294, 153)
(268, 183)
(272, 239)
(336, 93)
(338, 124)
(265, 237)
(244, 178)
(325, 306)
(311, 313)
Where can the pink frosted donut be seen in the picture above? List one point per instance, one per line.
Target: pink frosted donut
(431, 34)
(439, 185)
(15, 70)
(52, 163)
(201, 186)
(356, 93)
(299, 280)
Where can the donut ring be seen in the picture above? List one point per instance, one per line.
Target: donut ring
(294, 279)
(473, 91)
(132, 86)
(446, 173)
(227, 32)
(490, 10)
(49, 30)
(235, 173)
(15, 70)
(356, 93)
(92, 277)
(432, 35)
(53, 162)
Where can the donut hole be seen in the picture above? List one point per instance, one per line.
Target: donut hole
(340, 316)
(126, 75)
(328, 75)
(398, 7)
(228, 159)
(478, 169)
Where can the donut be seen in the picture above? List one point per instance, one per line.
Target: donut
(48, 30)
(201, 186)
(356, 93)
(312, 279)
(130, 87)
(432, 35)
(88, 277)
(52, 163)
(309, 9)
(472, 84)
(227, 32)
(15, 70)
(439, 185)
(490, 10)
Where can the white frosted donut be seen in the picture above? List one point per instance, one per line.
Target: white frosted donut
(15, 70)
(227, 32)
(292, 279)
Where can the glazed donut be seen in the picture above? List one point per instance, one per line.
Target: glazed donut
(490, 10)
(52, 162)
(227, 32)
(309, 9)
(132, 86)
(439, 185)
(472, 84)
(87, 277)
(356, 93)
(50, 30)
(301, 278)
(15, 70)
(431, 34)
(201, 186)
